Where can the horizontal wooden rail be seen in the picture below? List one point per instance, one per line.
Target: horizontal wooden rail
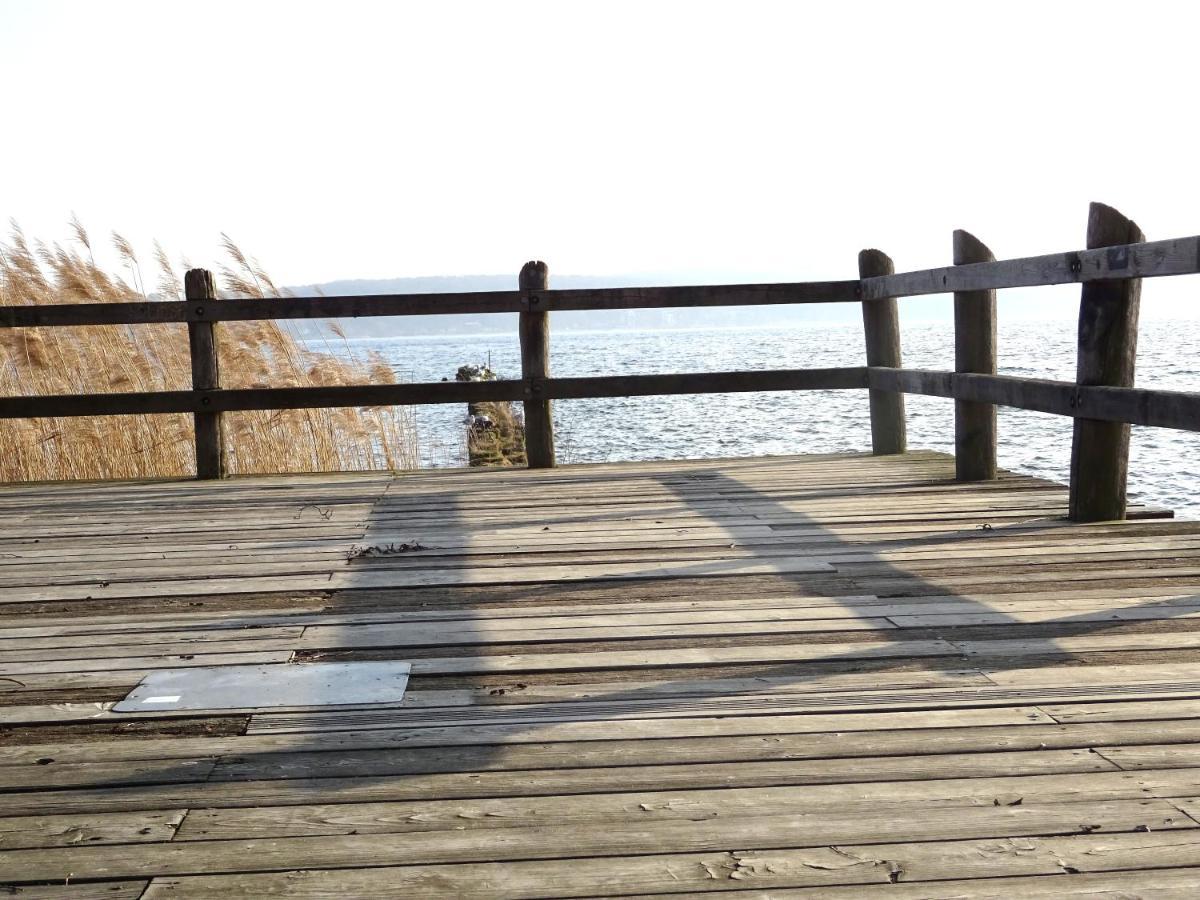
(705, 383)
(226, 400)
(476, 303)
(232, 400)
(1179, 256)
(1153, 259)
(1136, 406)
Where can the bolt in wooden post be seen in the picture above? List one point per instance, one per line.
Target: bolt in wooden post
(200, 291)
(974, 351)
(1108, 322)
(881, 322)
(535, 366)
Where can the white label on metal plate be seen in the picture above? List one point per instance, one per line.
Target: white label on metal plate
(173, 698)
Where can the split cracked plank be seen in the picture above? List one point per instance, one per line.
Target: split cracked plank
(27, 832)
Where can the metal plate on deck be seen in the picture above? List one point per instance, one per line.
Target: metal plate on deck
(272, 688)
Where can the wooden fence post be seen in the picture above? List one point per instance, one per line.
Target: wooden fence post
(535, 365)
(974, 351)
(1108, 323)
(881, 322)
(200, 290)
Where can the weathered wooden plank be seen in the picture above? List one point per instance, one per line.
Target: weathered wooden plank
(374, 763)
(1147, 673)
(1017, 647)
(28, 832)
(445, 786)
(385, 547)
(660, 659)
(477, 633)
(705, 876)
(767, 832)
(286, 623)
(50, 713)
(563, 812)
(141, 649)
(1049, 615)
(1161, 884)
(881, 538)
(1002, 791)
(135, 663)
(614, 705)
(1153, 756)
(498, 735)
(990, 608)
(1122, 711)
(324, 579)
(503, 812)
(97, 890)
(882, 541)
(53, 775)
(110, 642)
(1158, 883)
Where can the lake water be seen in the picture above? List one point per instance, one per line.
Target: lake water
(1164, 465)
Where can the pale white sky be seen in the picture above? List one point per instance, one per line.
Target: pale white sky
(774, 140)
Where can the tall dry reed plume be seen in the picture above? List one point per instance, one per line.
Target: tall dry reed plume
(136, 358)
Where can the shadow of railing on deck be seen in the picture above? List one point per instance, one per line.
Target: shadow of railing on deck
(879, 652)
(306, 759)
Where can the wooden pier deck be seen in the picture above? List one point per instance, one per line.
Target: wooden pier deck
(824, 676)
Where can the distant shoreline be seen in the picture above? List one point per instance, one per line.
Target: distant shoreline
(694, 329)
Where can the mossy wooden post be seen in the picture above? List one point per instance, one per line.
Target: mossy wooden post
(200, 291)
(535, 365)
(974, 351)
(1108, 322)
(881, 322)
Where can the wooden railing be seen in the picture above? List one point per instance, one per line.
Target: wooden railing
(1102, 400)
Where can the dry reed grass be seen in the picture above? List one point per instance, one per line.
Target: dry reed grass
(137, 358)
